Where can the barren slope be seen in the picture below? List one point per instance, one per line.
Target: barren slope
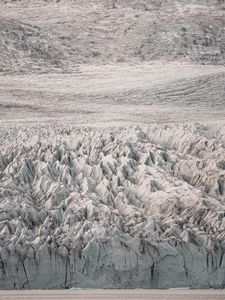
(103, 95)
(45, 35)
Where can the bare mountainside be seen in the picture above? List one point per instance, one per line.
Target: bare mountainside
(44, 36)
(112, 165)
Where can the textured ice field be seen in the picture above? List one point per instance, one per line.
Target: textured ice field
(113, 207)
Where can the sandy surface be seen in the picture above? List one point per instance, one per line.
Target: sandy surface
(115, 294)
(115, 94)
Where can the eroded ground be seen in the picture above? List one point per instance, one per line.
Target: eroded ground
(113, 94)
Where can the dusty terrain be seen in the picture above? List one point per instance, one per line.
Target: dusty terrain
(46, 36)
(111, 61)
(115, 94)
(116, 294)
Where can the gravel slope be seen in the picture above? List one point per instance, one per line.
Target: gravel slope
(57, 35)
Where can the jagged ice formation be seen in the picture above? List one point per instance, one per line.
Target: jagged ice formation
(121, 207)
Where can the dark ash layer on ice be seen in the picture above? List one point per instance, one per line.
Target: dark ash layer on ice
(117, 208)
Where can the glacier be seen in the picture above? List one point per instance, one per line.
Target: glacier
(115, 207)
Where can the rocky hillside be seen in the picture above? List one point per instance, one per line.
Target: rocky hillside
(45, 36)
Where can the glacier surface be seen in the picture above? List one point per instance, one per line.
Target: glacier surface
(119, 207)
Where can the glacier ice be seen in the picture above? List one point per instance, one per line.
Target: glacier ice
(119, 207)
